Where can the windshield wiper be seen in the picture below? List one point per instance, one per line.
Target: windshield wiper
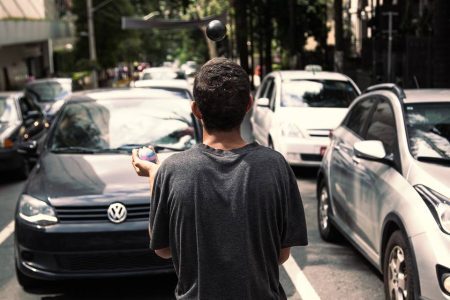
(75, 150)
(158, 148)
(436, 160)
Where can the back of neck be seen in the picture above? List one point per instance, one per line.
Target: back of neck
(223, 140)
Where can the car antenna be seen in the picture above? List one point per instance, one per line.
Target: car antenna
(416, 82)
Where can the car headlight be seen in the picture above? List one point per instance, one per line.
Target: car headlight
(36, 211)
(438, 204)
(291, 130)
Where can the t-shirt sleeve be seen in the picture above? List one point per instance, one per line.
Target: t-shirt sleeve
(294, 223)
(159, 214)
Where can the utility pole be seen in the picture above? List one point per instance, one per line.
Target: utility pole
(91, 34)
(390, 16)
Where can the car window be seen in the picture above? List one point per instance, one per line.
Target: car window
(8, 111)
(382, 127)
(263, 88)
(356, 117)
(317, 93)
(428, 128)
(106, 124)
(50, 91)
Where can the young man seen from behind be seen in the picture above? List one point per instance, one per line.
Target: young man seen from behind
(227, 212)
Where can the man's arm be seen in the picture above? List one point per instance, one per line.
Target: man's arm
(164, 253)
(284, 255)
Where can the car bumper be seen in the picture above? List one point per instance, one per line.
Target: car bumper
(10, 160)
(98, 250)
(431, 250)
(304, 152)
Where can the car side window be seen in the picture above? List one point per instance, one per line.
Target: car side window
(382, 127)
(357, 116)
(262, 89)
(270, 92)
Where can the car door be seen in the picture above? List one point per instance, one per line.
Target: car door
(374, 179)
(263, 114)
(341, 166)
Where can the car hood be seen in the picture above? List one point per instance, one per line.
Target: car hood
(313, 117)
(64, 176)
(434, 176)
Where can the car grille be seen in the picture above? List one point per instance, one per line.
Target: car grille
(76, 214)
(119, 261)
(311, 157)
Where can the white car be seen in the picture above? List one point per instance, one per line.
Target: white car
(180, 87)
(295, 111)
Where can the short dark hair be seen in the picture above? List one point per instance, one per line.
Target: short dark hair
(222, 94)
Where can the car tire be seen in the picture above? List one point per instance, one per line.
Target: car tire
(399, 275)
(23, 172)
(327, 230)
(27, 282)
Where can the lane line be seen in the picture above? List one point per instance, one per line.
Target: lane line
(301, 283)
(6, 232)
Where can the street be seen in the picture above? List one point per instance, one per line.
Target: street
(335, 271)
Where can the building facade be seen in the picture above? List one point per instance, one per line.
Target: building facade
(30, 33)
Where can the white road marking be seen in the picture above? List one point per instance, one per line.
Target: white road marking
(6, 232)
(301, 283)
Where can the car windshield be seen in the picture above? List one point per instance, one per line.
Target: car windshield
(116, 124)
(428, 128)
(50, 90)
(317, 93)
(8, 111)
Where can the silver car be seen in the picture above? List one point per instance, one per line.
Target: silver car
(384, 184)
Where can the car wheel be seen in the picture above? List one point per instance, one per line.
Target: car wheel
(23, 172)
(27, 283)
(398, 269)
(327, 230)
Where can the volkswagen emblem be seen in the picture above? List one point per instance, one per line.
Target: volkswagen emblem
(117, 212)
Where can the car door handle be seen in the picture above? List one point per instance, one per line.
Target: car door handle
(356, 160)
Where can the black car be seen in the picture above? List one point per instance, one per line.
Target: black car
(84, 211)
(49, 93)
(22, 126)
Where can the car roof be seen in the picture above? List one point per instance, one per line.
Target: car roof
(427, 95)
(121, 93)
(11, 94)
(170, 83)
(321, 75)
(60, 80)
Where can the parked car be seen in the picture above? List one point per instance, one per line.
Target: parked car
(384, 184)
(161, 73)
(49, 93)
(84, 211)
(294, 112)
(22, 125)
(179, 87)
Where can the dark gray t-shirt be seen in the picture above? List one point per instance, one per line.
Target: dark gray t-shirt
(226, 215)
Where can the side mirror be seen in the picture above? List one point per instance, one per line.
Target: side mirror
(28, 147)
(371, 150)
(263, 102)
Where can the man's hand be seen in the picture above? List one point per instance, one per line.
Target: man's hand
(144, 168)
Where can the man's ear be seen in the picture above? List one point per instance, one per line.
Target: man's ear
(196, 110)
(250, 103)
